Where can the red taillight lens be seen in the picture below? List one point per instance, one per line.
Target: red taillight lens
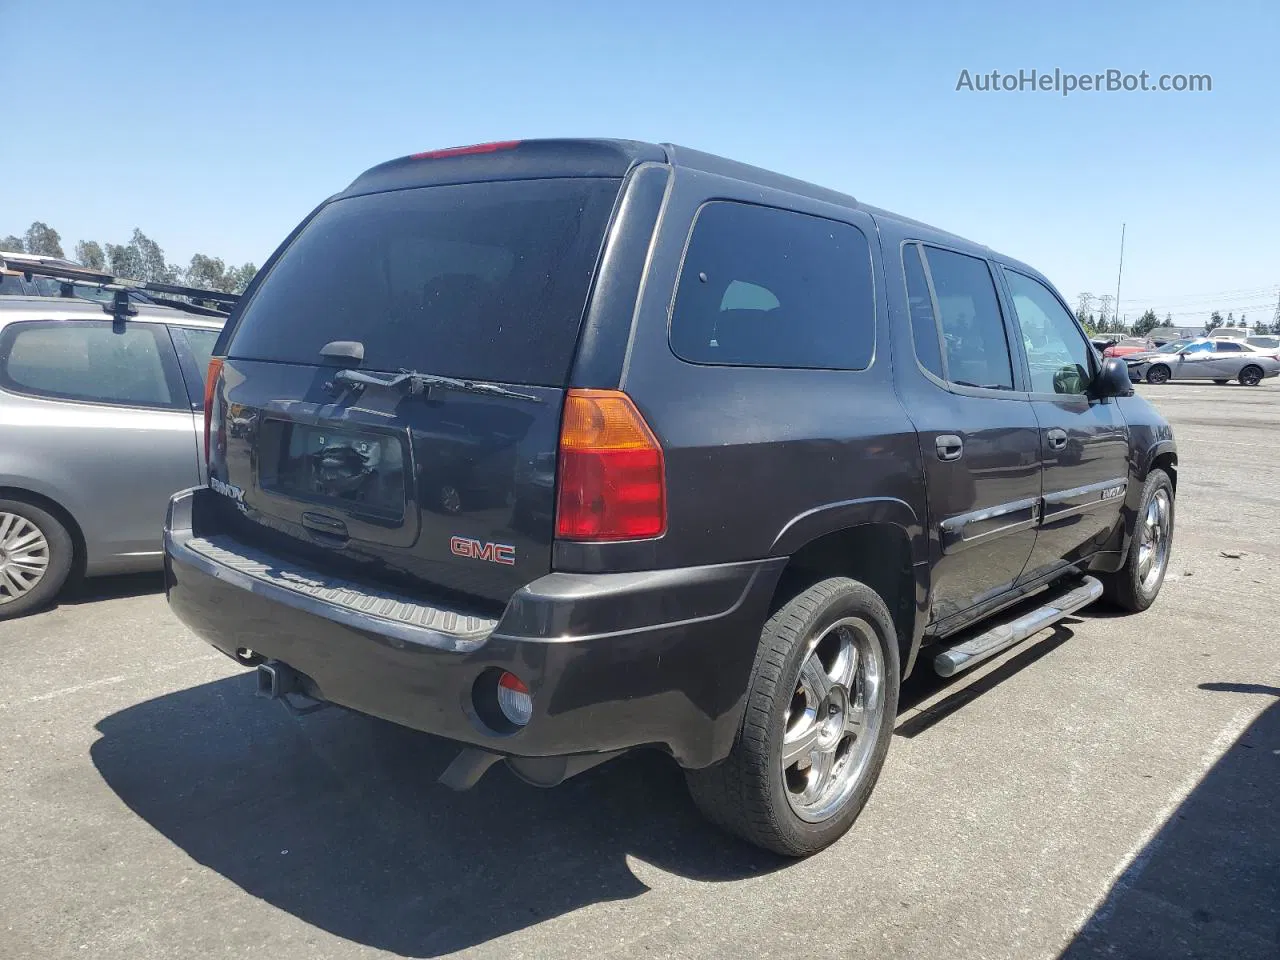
(210, 395)
(612, 480)
(466, 151)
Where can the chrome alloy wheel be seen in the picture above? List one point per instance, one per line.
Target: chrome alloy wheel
(833, 720)
(24, 556)
(1153, 541)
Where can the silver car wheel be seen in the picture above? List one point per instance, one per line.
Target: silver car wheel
(24, 556)
(833, 720)
(1153, 541)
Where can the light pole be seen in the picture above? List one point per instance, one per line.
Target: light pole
(1121, 271)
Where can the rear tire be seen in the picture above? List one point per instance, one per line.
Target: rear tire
(1158, 374)
(824, 688)
(1134, 586)
(1251, 376)
(35, 557)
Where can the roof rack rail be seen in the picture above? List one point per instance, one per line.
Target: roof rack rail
(210, 303)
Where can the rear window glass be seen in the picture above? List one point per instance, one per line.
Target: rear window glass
(762, 287)
(481, 280)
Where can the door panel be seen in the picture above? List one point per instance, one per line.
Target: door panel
(1084, 445)
(1085, 451)
(979, 437)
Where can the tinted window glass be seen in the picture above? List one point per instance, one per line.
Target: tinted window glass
(89, 360)
(924, 325)
(12, 285)
(1057, 351)
(1199, 348)
(1229, 348)
(1264, 343)
(770, 288)
(483, 280)
(977, 351)
(201, 343)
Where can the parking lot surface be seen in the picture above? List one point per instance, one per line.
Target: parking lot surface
(1109, 788)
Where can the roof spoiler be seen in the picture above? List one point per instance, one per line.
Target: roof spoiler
(209, 303)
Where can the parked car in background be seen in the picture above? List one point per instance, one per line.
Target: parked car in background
(1127, 346)
(100, 422)
(1219, 360)
(1228, 333)
(1265, 344)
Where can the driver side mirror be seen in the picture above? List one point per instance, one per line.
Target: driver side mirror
(1113, 380)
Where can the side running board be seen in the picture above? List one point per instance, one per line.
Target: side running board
(985, 645)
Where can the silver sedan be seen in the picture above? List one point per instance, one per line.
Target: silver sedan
(1219, 360)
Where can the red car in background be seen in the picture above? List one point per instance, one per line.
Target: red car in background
(1127, 346)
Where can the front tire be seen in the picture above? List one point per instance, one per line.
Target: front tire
(1158, 374)
(1134, 586)
(819, 715)
(1251, 376)
(35, 557)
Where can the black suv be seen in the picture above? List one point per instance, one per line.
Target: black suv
(560, 448)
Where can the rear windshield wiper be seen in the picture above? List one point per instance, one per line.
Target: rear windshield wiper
(415, 384)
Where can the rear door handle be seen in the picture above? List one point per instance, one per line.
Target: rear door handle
(949, 446)
(1057, 439)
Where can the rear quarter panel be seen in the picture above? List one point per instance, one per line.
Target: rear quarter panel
(759, 459)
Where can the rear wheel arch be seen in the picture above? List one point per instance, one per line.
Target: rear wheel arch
(878, 554)
(62, 514)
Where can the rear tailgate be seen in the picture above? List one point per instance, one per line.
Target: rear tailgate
(428, 464)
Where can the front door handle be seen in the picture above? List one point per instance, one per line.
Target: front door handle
(1057, 439)
(949, 446)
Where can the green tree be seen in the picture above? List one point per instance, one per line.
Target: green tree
(241, 276)
(1231, 319)
(1215, 320)
(151, 257)
(12, 244)
(212, 273)
(1146, 323)
(89, 252)
(43, 240)
(124, 260)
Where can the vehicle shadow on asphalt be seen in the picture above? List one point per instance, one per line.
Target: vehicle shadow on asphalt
(111, 588)
(337, 819)
(1208, 883)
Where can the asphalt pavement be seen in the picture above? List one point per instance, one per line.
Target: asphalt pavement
(1111, 788)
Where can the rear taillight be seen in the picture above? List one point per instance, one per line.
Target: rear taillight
(612, 479)
(211, 379)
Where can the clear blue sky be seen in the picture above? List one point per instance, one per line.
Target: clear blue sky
(216, 126)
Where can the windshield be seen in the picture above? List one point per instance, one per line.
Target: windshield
(480, 280)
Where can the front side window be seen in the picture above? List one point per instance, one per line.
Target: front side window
(762, 287)
(1057, 352)
(1198, 348)
(975, 348)
(89, 360)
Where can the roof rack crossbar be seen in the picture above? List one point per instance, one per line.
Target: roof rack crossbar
(215, 302)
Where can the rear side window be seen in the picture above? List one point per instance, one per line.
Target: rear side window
(975, 347)
(481, 280)
(88, 360)
(924, 324)
(1230, 348)
(762, 287)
